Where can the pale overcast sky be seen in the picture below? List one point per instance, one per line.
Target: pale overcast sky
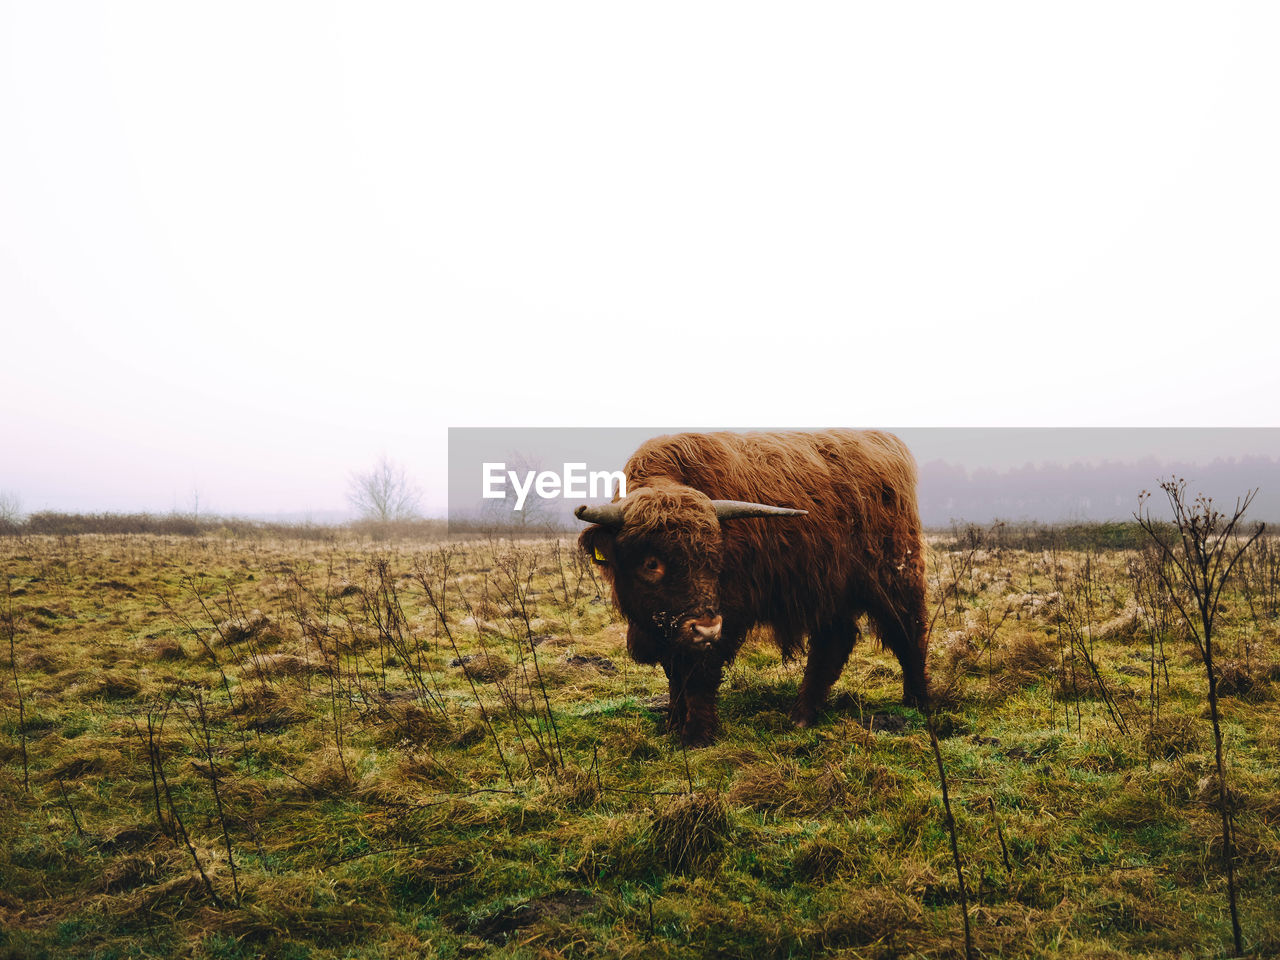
(248, 247)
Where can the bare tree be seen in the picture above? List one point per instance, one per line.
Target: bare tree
(1200, 551)
(534, 513)
(10, 508)
(385, 493)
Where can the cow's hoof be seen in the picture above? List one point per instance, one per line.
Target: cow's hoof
(702, 738)
(804, 717)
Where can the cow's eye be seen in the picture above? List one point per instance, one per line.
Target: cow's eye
(652, 568)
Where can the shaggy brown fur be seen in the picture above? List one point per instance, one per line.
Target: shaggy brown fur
(674, 566)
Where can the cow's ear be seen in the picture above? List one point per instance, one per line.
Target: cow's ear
(597, 543)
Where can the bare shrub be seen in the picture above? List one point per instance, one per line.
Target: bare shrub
(1198, 561)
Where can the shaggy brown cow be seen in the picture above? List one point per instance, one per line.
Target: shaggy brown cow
(802, 532)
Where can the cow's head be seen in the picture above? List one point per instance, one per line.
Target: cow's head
(660, 547)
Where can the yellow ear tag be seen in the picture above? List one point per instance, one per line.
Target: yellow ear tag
(600, 556)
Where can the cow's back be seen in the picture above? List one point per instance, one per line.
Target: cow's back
(857, 486)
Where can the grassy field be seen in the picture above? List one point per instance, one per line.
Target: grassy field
(264, 747)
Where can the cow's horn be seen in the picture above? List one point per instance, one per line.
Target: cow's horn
(737, 509)
(610, 515)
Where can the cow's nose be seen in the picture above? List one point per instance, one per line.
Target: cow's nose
(707, 628)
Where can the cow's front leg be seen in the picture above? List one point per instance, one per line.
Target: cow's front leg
(677, 711)
(701, 682)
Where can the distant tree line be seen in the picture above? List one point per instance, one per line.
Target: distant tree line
(1030, 535)
(53, 523)
(1038, 506)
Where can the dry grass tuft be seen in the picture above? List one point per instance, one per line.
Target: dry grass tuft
(130, 836)
(690, 830)
(268, 709)
(614, 847)
(946, 691)
(1134, 805)
(434, 869)
(957, 652)
(1028, 656)
(877, 915)
(1034, 605)
(145, 897)
(1025, 660)
(421, 767)
(326, 913)
(133, 871)
(41, 660)
(1209, 793)
(480, 625)
(1171, 736)
(484, 667)
(1077, 682)
(1257, 847)
(1235, 679)
(767, 786)
(818, 860)
(413, 723)
(282, 665)
(83, 764)
(1124, 626)
(116, 686)
(163, 648)
(1129, 900)
(828, 790)
(239, 629)
(881, 783)
(344, 588)
(327, 771)
(575, 788)
(636, 744)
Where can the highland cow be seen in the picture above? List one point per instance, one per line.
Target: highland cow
(800, 532)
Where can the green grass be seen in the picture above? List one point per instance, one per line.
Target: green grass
(371, 814)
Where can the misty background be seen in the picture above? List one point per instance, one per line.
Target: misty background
(1056, 493)
(977, 475)
(248, 248)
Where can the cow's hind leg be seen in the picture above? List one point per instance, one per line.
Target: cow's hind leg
(829, 649)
